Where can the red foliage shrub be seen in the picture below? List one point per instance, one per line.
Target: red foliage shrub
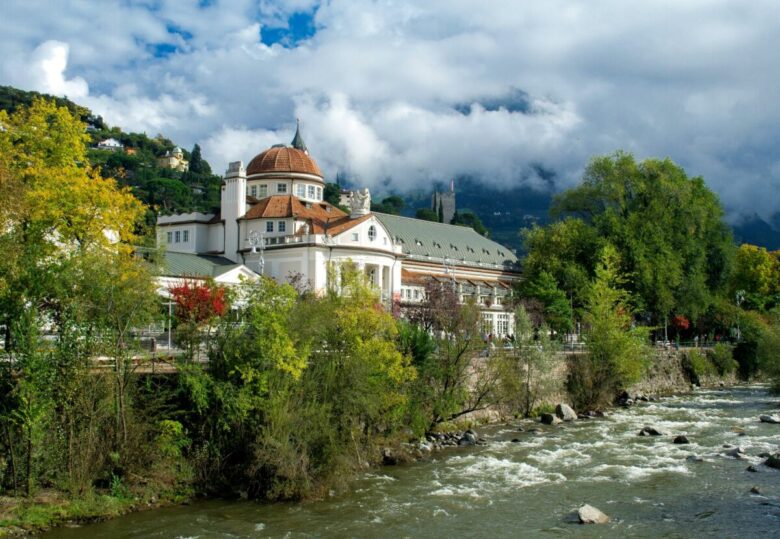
(199, 302)
(681, 323)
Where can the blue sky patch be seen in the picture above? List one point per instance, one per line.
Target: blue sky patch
(300, 27)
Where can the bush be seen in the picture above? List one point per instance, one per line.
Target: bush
(722, 358)
(696, 365)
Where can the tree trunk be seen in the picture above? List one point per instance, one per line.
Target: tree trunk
(12, 452)
(28, 488)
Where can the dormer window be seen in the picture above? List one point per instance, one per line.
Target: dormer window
(281, 187)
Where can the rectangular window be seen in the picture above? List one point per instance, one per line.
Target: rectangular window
(416, 293)
(186, 236)
(177, 236)
(300, 190)
(170, 237)
(355, 236)
(319, 193)
(263, 191)
(487, 323)
(282, 226)
(253, 190)
(281, 187)
(503, 324)
(312, 191)
(269, 226)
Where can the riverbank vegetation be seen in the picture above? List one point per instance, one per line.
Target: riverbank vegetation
(281, 393)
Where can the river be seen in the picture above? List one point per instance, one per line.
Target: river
(647, 485)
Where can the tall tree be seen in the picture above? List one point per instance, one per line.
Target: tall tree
(616, 349)
(668, 228)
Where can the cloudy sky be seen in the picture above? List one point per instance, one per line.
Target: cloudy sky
(406, 93)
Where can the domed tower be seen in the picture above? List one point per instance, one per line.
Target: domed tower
(285, 170)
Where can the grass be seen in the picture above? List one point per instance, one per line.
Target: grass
(49, 509)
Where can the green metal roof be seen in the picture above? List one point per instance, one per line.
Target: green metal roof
(426, 240)
(191, 265)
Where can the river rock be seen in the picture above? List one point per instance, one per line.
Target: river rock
(549, 419)
(755, 490)
(649, 431)
(770, 419)
(389, 458)
(737, 453)
(773, 461)
(681, 439)
(516, 440)
(565, 412)
(751, 468)
(590, 515)
(694, 458)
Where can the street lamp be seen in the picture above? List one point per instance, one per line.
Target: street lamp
(740, 297)
(449, 270)
(257, 241)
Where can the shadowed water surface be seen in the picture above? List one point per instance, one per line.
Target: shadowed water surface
(647, 485)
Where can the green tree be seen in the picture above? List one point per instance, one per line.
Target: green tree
(427, 214)
(558, 313)
(674, 247)
(197, 164)
(470, 219)
(616, 350)
(529, 371)
(757, 275)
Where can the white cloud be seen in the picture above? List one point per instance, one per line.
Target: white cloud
(377, 84)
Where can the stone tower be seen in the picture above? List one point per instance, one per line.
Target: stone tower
(445, 200)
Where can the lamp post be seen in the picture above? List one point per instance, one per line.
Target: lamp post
(449, 270)
(740, 297)
(257, 241)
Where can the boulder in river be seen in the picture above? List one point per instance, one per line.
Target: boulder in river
(770, 418)
(755, 490)
(737, 452)
(590, 515)
(549, 419)
(389, 457)
(694, 458)
(751, 468)
(565, 412)
(649, 431)
(681, 439)
(773, 461)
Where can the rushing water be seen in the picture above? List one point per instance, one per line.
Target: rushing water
(647, 485)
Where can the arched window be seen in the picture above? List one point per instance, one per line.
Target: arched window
(372, 233)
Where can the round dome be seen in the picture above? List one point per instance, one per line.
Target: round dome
(283, 159)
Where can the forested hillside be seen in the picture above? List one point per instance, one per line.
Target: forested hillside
(163, 190)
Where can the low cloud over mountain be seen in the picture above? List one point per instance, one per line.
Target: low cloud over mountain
(403, 93)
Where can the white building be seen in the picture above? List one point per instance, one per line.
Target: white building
(110, 144)
(174, 160)
(273, 220)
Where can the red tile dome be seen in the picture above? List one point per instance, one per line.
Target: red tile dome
(283, 159)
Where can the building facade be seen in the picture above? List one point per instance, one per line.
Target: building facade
(274, 221)
(174, 159)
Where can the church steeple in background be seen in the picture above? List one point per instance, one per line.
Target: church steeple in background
(297, 141)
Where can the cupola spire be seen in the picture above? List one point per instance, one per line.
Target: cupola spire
(297, 141)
